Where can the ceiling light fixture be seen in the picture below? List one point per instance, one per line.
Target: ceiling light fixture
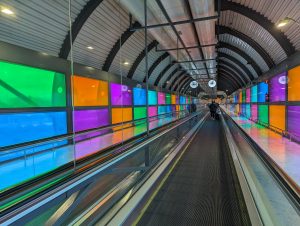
(285, 21)
(90, 47)
(7, 11)
(126, 63)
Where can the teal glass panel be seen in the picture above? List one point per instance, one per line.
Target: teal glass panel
(152, 97)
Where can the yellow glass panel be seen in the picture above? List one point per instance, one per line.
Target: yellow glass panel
(294, 84)
(89, 92)
(277, 116)
(119, 115)
(173, 100)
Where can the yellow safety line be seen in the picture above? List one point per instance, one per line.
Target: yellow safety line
(164, 179)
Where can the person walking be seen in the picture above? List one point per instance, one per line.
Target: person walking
(213, 108)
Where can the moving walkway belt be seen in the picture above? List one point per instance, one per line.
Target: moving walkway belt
(202, 189)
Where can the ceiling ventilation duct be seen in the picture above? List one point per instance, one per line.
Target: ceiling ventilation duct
(191, 34)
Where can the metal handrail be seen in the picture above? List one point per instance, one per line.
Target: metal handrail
(70, 136)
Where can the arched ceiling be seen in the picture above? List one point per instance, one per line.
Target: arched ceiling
(249, 44)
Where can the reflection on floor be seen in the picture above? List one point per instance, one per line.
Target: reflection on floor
(22, 165)
(284, 152)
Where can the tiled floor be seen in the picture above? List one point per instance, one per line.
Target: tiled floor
(284, 152)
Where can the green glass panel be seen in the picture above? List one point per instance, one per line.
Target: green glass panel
(139, 112)
(263, 113)
(244, 96)
(168, 98)
(22, 87)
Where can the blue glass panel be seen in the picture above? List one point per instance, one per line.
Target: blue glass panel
(182, 100)
(16, 128)
(262, 92)
(139, 96)
(169, 108)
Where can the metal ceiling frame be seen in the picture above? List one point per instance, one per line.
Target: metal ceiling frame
(171, 75)
(176, 81)
(188, 47)
(242, 54)
(261, 51)
(80, 20)
(232, 80)
(162, 73)
(233, 68)
(223, 84)
(189, 61)
(263, 21)
(227, 68)
(250, 77)
(156, 63)
(116, 48)
(140, 58)
(182, 83)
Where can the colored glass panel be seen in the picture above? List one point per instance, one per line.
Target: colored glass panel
(177, 108)
(262, 92)
(248, 110)
(254, 112)
(16, 128)
(152, 111)
(177, 99)
(168, 108)
(277, 87)
(152, 97)
(254, 93)
(120, 95)
(89, 92)
(168, 98)
(244, 96)
(139, 96)
(294, 120)
(119, 115)
(240, 97)
(182, 100)
(22, 87)
(173, 99)
(263, 114)
(248, 95)
(90, 119)
(161, 98)
(162, 110)
(173, 108)
(139, 112)
(277, 116)
(294, 84)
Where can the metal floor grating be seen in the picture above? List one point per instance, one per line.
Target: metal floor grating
(201, 189)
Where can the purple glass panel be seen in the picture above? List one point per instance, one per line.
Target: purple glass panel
(161, 98)
(248, 95)
(294, 120)
(277, 86)
(120, 95)
(254, 112)
(89, 119)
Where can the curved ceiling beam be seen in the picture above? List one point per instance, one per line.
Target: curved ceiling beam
(261, 51)
(179, 78)
(186, 86)
(81, 18)
(229, 77)
(237, 62)
(139, 59)
(155, 64)
(237, 71)
(227, 68)
(242, 54)
(162, 73)
(170, 76)
(117, 46)
(222, 83)
(174, 81)
(182, 83)
(231, 74)
(263, 21)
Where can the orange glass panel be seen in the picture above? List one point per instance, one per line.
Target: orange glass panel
(90, 92)
(173, 100)
(121, 115)
(240, 97)
(294, 84)
(177, 108)
(277, 116)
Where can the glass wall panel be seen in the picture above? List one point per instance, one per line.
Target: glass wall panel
(139, 112)
(277, 116)
(262, 92)
(120, 95)
(161, 98)
(263, 113)
(254, 94)
(173, 101)
(162, 110)
(89, 92)
(152, 97)
(248, 95)
(119, 115)
(23, 87)
(248, 111)
(139, 96)
(16, 128)
(254, 112)
(152, 111)
(89, 119)
(168, 98)
(277, 88)
(294, 84)
(294, 120)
